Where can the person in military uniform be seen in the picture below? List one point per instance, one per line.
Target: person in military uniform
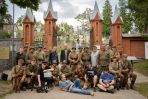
(18, 75)
(30, 55)
(31, 73)
(80, 73)
(85, 58)
(103, 58)
(20, 55)
(55, 72)
(127, 71)
(65, 69)
(114, 53)
(40, 56)
(73, 58)
(115, 69)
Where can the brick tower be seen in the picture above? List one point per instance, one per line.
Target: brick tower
(116, 28)
(28, 28)
(50, 18)
(96, 25)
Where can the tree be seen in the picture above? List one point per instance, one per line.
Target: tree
(65, 31)
(107, 14)
(83, 18)
(139, 10)
(3, 7)
(20, 20)
(126, 15)
(32, 4)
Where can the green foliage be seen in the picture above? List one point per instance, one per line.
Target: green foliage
(107, 14)
(83, 18)
(20, 20)
(126, 16)
(65, 29)
(142, 67)
(3, 7)
(142, 88)
(139, 10)
(33, 4)
(6, 35)
(39, 26)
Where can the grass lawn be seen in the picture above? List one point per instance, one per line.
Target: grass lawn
(142, 89)
(142, 67)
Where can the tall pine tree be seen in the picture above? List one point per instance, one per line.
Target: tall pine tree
(139, 10)
(107, 14)
(126, 16)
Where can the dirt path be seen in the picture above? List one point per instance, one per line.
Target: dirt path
(56, 94)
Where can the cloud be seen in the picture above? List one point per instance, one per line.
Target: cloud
(66, 9)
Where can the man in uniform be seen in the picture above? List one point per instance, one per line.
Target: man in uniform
(115, 69)
(65, 69)
(18, 75)
(85, 58)
(31, 73)
(103, 59)
(127, 71)
(73, 58)
(55, 72)
(30, 55)
(40, 55)
(20, 55)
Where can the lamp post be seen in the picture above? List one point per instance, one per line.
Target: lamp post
(13, 40)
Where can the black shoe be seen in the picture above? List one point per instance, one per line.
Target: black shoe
(111, 91)
(94, 89)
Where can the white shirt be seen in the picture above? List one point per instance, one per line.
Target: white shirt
(94, 56)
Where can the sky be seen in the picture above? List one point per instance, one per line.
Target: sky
(66, 9)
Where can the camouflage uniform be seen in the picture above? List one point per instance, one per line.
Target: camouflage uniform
(103, 60)
(40, 57)
(127, 67)
(86, 59)
(73, 56)
(115, 68)
(66, 70)
(31, 79)
(29, 57)
(55, 74)
(18, 77)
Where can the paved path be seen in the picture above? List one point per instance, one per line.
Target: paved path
(56, 94)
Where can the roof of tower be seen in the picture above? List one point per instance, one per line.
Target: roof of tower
(95, 11)
(30, 15)
(50, 9)
(116, 15)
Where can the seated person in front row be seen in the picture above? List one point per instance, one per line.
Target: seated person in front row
(106, 82)
(40, 76)
(31, 73)
(67, 85)
(65, 69)
(18, 75)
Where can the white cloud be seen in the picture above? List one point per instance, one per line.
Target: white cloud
(67, 9)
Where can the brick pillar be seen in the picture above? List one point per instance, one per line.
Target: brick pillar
(96, 25)
(50, 23)
(28, 32)
(116, 29)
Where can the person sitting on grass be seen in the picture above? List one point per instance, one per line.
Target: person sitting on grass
(106, 82)
(68, 86)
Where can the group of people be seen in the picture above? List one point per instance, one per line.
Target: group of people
(105, 69)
